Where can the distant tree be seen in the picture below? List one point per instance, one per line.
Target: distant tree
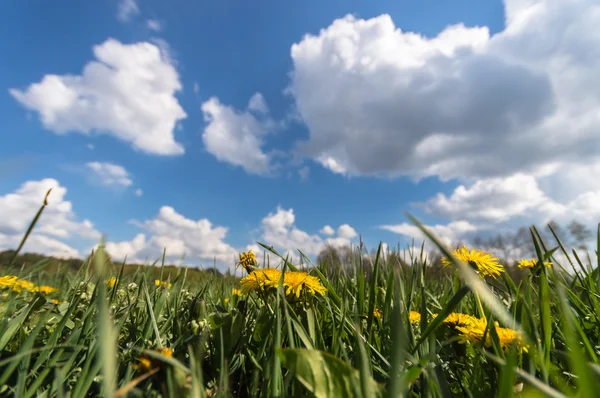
(580, 234)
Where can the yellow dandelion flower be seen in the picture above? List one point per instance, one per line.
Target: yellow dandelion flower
(236, 292)
(294, 283)
(508, 336)
(248, 260)
(298, 282)
(46, 289)
(111, 282)
(525, 263)
(474, 334)
(377, 314)
(144, 364)
(55, 301)
(226, 300)
(471, 333)
(414, 316)
(260, 279)
(484, 263)
(22, 284)
(163, 284)
(147, 363)
(167, 352)
(8, 281)
(457, 319)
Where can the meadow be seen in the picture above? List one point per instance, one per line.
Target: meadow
(106, 329)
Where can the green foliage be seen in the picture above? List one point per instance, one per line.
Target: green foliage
(197, 338)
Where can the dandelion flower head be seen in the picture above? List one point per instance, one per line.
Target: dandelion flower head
(474, 334)
(299, 282)
(247, 260)
(163, 284)
(46, 289)
(260, 279)
(8, 281)
(294, 283)
(484, 263)
(414, 317)
(377, 313)
(167, 352)
(457, 319)
(525, 263)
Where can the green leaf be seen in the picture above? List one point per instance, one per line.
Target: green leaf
(324, 375)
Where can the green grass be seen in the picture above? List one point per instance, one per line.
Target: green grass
(267, 345)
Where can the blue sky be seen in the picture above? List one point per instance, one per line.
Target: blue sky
(457, 106)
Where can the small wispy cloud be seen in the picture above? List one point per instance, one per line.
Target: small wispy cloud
(154, 25)
(127, 9)
(110, 174)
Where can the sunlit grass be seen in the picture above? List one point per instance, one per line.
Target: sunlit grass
(392, 331)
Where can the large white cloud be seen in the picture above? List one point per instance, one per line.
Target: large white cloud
(199, 241)
(110, 174)
(57, 225)
(237, 137)
(464, 104)
(128, 92)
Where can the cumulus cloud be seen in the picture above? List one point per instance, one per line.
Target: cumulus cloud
(512, 117)
(378, 100)
(279, 230)
(127, 9)
(498, 204)
(347, 232)
(110, 174)
(237, 137)
(494, 199)
(199, 241)
(57, 224)
(327, 230)
(128, 92)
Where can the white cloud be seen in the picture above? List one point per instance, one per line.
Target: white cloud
(448, 234)
(57, 222)
(110, 174)
(347, 232)
(154, 25)
(127, 9)
(304, 173)
(327, 230)
(196, 88)
(258, 104)
(129, 93)
(126, 249)
(499, 204)
(90, 147)
(236, 137)
(494, 199)
(515, 199)
(463, 104)
(198, 240)
(278, 229)
(139, 192)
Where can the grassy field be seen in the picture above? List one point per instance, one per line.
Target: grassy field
(394, 331)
